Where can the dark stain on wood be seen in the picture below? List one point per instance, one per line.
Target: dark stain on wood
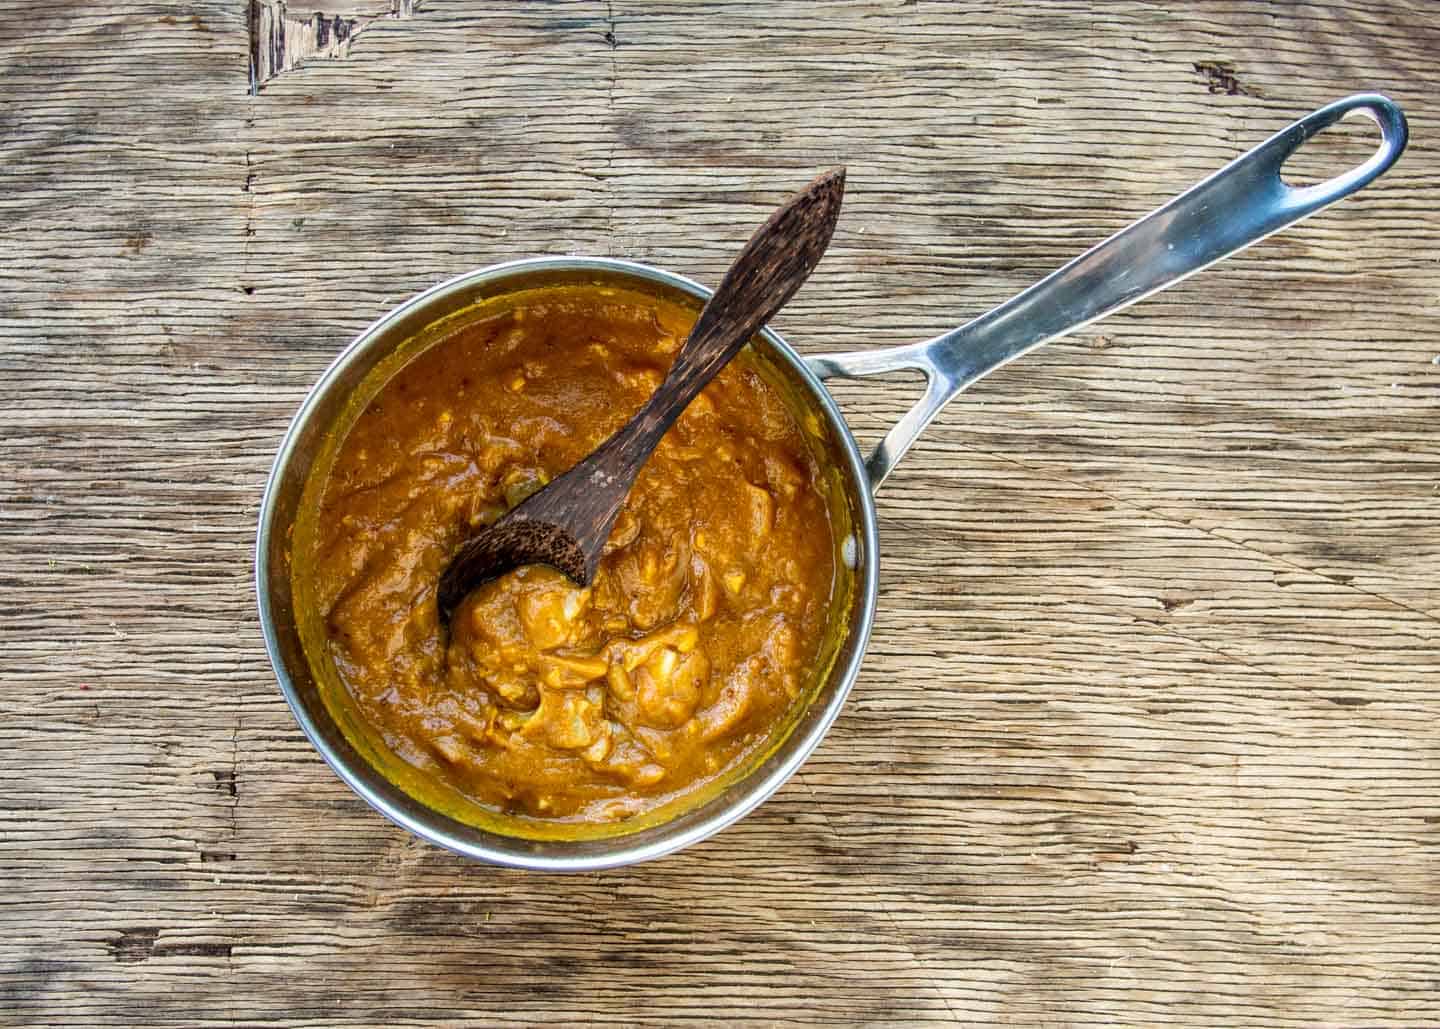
(134, 945)
(225, 781)
(193, 950)
(1220, 78)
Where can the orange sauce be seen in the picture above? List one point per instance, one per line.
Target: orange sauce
(547, 700)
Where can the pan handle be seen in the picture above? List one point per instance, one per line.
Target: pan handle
(1239, 205)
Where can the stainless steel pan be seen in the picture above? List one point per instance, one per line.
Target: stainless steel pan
(1239, 205)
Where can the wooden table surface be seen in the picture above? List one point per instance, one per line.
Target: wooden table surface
(1148, 731)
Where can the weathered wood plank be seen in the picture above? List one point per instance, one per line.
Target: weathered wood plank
(1148, 730)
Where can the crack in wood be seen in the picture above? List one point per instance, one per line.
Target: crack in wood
(902, 939)
(1331, 578)
(281, 41)
(1220, 78)
(614, 43)
(142, 943)
(225, 781)
(235, 775)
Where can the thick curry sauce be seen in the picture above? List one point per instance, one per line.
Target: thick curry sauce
(550, 701)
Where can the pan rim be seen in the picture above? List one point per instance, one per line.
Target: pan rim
(735, 801)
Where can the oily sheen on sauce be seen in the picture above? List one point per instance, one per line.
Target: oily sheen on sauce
(550, 701)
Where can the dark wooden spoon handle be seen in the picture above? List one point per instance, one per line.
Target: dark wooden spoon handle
(774, 264)
(567, 523)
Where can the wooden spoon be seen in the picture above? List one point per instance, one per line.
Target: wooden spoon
(566, 524)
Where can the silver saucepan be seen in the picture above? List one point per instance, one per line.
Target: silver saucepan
(1237, 206)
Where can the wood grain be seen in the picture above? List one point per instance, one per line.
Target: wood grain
(1148, 731)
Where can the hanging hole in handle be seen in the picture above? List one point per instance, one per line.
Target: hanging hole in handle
(1333, 151)
(871, 403)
